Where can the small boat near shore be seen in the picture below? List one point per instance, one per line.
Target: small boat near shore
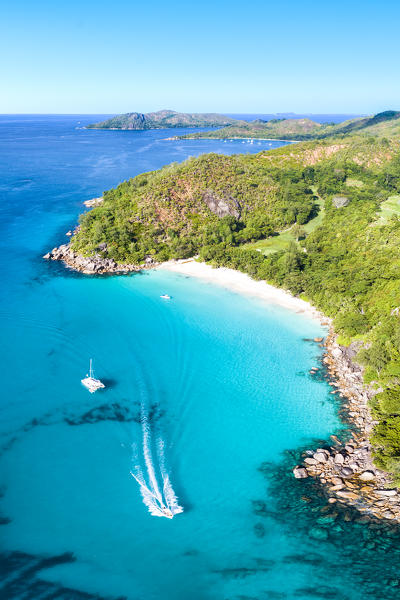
(90, 382)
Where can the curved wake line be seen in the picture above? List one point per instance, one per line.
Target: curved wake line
(159, 503)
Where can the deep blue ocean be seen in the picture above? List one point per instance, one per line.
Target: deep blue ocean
(218, 384)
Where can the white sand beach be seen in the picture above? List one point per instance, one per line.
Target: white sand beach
(243, 284)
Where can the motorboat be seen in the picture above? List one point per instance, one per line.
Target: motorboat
(90, 382)
(165, 297)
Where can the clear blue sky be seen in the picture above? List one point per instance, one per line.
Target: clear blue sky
(85, 56)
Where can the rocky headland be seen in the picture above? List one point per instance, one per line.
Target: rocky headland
(95, 264)
(345, 468)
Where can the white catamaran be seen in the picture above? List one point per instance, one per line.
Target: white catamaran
(90, 382)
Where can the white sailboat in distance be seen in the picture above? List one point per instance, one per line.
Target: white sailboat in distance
(90, 382)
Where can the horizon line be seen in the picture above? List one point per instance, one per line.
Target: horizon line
(66, 114)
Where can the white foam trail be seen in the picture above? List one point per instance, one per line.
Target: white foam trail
(148, 457)
(148, 498)
(159, 504)
(170, 497)
(169, 493)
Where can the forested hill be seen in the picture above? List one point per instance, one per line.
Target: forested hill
(285, 129)
(319, 218)
(383, 124)
(163, 119)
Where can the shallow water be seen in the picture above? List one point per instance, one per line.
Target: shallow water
(224, 380)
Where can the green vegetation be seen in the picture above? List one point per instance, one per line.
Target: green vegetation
(175, 212)
(163, 119)
(284, 129)
(282, 240)
(386, 436)
(334, 243)
(384, 124)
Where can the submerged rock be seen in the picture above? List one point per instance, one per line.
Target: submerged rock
(317, 533)
(259, 530)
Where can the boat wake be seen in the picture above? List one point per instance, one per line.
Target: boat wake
(158, 495)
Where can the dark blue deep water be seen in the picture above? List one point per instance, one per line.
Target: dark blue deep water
(221, 380)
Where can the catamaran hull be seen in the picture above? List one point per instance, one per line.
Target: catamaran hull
(92, 384)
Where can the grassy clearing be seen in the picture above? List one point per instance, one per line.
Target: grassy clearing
(388, 209)
(316, 221)
(351, 182)
(272, 244)
(282, 241)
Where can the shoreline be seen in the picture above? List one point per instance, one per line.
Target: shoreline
(345, 470)
(227, 139)
(244, 284)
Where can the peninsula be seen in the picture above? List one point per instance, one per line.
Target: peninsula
(320, 219)
(163, 119)
(300, 129)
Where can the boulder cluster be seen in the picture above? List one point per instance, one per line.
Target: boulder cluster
(93, 202)
(346, 468)
(95, 264)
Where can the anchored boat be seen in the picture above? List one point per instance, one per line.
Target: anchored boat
(90, 382)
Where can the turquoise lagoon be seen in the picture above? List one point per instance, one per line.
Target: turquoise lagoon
(223, 379)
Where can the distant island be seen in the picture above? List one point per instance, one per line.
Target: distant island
(163, 119)
(298, 129)
(320, 218)
(294, 129)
